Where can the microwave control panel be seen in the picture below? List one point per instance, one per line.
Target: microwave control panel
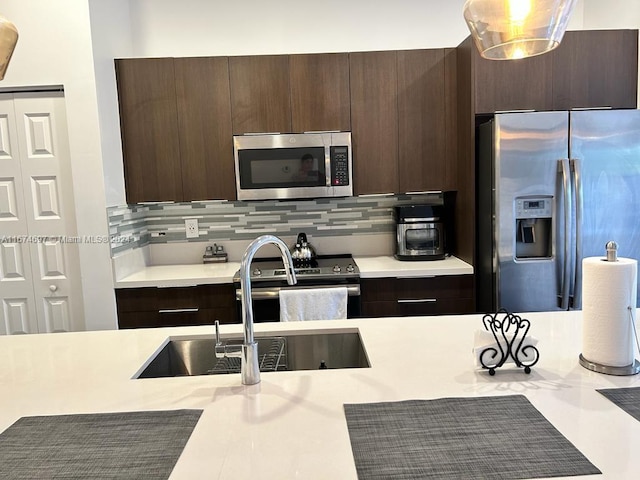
(339, 165)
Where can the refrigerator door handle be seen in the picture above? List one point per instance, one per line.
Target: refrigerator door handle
(577, 188)
(565, 170)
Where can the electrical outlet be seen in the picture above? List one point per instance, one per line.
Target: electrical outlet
(191, 227)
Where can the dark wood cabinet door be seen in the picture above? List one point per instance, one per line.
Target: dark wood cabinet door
(149, 126)
(424, 161)
(386, 297)
(174, 306)
(374, 121)
(260, 100)
(596, 68)
(504, 85)
(320, 92)
(204, 126)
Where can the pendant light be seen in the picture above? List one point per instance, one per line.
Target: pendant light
(510, 29)
(8, 40)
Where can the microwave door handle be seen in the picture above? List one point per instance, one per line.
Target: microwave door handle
(565, 171)
(327, 165)
(577, 188)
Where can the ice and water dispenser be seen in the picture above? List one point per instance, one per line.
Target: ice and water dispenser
(533, 227)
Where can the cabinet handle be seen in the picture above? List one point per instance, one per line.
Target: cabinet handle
(417, 300)
(179, 310)
(416, 276)
(186, 285)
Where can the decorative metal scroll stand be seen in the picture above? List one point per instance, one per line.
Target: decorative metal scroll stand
(494, 357)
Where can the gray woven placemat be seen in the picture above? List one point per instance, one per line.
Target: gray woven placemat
(129, 445)
(500, 437)
(628, 399)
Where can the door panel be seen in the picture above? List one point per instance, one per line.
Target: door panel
(8, 199)
(528, 147)
(12, 216)
(17, 313)
(606, 146)
(40, 283)
(57, 317)
(52, 261)
(17, 302)
(18, 316)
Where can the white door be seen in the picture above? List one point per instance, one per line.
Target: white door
(39, 265)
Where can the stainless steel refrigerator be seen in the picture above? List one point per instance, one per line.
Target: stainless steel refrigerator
(553, 188)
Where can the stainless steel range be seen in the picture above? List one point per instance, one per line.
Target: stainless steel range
(268, 278)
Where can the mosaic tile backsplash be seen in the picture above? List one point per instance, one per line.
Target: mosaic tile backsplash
(134, 226)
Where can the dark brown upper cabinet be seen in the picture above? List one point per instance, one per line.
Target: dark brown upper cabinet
(290, 93)
(507, 85)
(596, 68)
(320, 92)
(590, 69)
(149, 126)
(426, 120)
(374, 121)
(204, 128)
(260, 94)
(176, 129)
(403, 120)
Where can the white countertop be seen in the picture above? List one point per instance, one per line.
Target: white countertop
(388, 266)
(292, 424)
(180, 275)
(370, 267)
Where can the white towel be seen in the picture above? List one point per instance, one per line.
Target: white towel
(313, 304)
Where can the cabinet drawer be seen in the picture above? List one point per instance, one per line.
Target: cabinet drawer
(176, 306)
(153, 298)
(393, 289)
(389, 297)
(176, 317)
(442, 306)
(450, 286)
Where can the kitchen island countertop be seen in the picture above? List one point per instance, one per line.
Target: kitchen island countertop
(216, 273)
(292, 424)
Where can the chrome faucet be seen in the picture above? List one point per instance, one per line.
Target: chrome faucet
(249, 368)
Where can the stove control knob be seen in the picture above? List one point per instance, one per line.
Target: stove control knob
(336, 268)
(257, 272)
(350, 268)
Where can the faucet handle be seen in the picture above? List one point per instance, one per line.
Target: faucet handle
(219, 348)
(222, 350)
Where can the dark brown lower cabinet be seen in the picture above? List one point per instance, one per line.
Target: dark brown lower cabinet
(400, 297)
(176, 306)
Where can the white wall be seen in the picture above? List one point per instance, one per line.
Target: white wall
(111, 35)
(54, 48)
(242, 27)
(611, 14)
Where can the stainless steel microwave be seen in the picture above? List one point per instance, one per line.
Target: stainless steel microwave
(297, 165)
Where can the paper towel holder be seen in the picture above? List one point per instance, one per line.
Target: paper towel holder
(631, 369)
(612, 251)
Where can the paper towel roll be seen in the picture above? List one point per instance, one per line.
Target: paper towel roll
(608, 308)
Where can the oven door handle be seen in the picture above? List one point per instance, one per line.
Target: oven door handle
(270, 293)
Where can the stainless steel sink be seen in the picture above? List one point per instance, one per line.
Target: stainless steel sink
(284, 352)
